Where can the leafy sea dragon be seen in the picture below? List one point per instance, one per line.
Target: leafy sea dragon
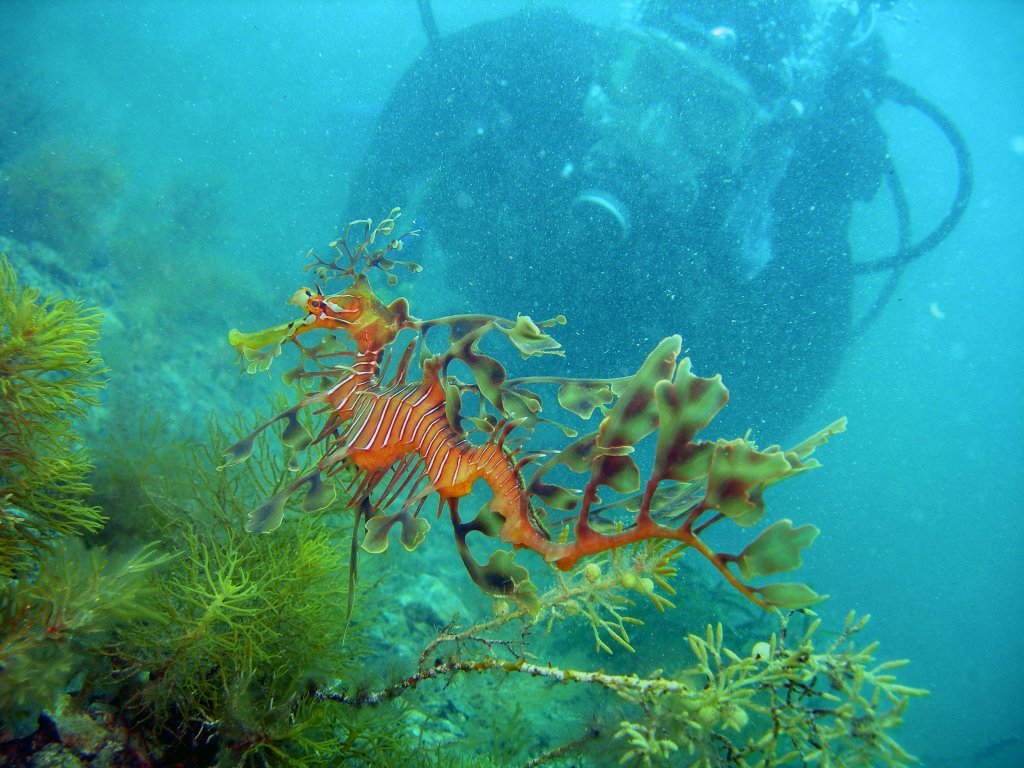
(404, 434)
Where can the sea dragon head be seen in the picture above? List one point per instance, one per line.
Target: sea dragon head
(356, 311)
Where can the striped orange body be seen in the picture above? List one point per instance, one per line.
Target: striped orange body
(382, 427)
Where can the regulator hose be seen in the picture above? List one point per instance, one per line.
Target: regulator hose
(427, 19)
(901, 93)
(902, 206)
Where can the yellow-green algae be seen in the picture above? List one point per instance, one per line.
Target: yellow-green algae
(786, 700)
(49, 375)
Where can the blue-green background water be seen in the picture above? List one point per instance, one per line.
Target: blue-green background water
(257, 114)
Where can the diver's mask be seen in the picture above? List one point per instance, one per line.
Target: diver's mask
(671, 110)
(674, 116)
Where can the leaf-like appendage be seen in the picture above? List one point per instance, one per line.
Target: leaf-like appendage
(584, 397)
(268, 516)
(806, 447)
(414, 530)
(797, 456)
(295, 435)
(619, 473)
(788, 596)
(239, 452)
(670, 499)
(555, 496)
(504, 577)
(520, 404)
(686, 405)
(292, 375)
(260, 360)
(453, 405)
(738, 474)
(319, 495)
(377, 530)
(259, 348)
(776, 550)
(328, 346)
(488, 374)
(635, 414)
(578, 456)
(529, 339)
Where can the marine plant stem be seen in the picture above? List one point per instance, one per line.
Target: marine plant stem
(489, 664)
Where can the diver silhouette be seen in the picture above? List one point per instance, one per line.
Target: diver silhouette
(692, 169)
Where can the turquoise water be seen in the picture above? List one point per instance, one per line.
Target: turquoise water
(237, 130)
(929, 531)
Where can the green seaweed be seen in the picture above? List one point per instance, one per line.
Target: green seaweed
(148, 449)
(49, 374)
(246, 626)
(788, 701)
(57, 624)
